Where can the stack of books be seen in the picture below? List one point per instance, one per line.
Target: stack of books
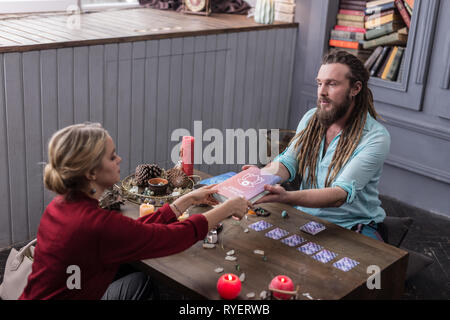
(349, 32)
(387, 26)
(375, 31)
(284, 10)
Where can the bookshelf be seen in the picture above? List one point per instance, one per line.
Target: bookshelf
(408, 88)
(376, 31)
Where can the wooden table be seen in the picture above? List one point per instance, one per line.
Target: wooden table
(193, 270)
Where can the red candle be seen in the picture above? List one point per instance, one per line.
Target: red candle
(229, 286)
(187, 155)
(282, 283)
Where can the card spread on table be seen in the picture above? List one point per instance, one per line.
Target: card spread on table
(313, 227)
(325, 256)
(277, 233)
(345, 264)
(260, 225)
(310, 248)
(294, 240)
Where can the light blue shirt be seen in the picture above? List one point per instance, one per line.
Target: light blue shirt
(359, 177)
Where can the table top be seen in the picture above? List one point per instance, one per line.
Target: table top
(61, 30)
(194, 269)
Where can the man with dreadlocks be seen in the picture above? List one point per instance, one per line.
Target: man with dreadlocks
(338, 151)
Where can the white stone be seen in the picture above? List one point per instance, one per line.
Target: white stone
(230, 253)
(260, 252)
(308, 296)
(250, 295)
(242, 277)
(218, 270)
(246, 230)
(263, 294)
(230, 258)
(209, 245)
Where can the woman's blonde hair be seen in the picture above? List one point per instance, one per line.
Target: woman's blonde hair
(72, 152)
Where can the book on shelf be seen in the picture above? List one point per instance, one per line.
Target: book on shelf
(354, 2)
(378, 15)
(384, 29)
(395, 66)
(379, 62)
(348, 23)
(350, 17)
(403, 12)
(410, 3)
(374, 23)
(347, 35)
(341, 43)
(350, 29)
(400, 69)
(380, 8)
(395, 38)
(248, 184)
(360, 13)
(388, 65)
(408, 8)
(377, 3)
(373, 58)
(284, 7)
(385, 61)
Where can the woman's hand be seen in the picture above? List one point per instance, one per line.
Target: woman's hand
(237, 207)
(203, 195)
(277, 194)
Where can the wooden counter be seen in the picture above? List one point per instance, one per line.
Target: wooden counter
(46, 31)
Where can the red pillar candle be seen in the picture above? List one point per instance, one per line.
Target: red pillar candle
(229, 286)
(187, 155)
(282, 283)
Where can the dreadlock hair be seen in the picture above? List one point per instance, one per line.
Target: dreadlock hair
(310, 138)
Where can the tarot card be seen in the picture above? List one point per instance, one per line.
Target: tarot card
(260, 225)
(313, 227)
(277, 233)
(345, 264)
(310, 248)
(325, 256)
(293, 240)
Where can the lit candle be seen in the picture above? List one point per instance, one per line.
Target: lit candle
(187, 154)
(282, 283)
(146, 209)
(229, 286)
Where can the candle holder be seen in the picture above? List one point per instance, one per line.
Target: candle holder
(199, 7)
(293, 294)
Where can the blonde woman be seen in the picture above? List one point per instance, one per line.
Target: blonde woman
(76, 234)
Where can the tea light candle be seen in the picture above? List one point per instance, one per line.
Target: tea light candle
(282, 283)
(229, 286)
(145, 209)
(187, 154)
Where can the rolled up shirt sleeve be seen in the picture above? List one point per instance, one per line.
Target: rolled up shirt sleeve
(364, 165)
(289, 156)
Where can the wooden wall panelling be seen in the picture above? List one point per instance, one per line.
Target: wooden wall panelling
(5, 197)
(15, 125)
(33, 139)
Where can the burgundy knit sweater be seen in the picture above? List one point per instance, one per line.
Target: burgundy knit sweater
(80, 233)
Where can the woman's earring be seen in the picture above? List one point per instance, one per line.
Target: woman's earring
(93, 191)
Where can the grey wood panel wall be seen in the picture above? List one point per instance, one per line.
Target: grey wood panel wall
(140, 92)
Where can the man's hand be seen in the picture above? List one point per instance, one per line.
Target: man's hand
(277, 194)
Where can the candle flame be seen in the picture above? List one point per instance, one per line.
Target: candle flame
(283, 279)
(230, 277)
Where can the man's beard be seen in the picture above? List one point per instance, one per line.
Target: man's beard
(327, 118)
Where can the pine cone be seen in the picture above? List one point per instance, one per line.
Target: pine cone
(177, 178)
(155, 171)
(142, 174)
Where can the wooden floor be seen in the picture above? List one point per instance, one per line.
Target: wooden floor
(50, 31)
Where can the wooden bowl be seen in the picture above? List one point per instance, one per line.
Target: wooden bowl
(158, 185)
